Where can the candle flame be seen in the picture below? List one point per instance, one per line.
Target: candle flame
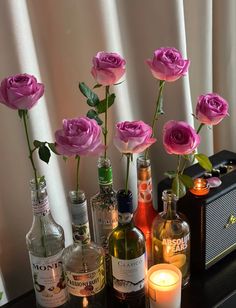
(85, 302)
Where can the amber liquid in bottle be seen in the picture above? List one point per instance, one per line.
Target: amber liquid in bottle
(171, 237)
(145, 212)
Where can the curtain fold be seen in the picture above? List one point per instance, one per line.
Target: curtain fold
(55, 41)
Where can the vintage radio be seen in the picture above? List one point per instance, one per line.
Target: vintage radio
(212, 217)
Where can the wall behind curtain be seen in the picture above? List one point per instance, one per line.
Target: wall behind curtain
(55, 40)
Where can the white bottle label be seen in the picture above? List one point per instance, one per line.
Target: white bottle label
(41, 208)
(145, 190)
(49, 281)
(128, 275)
(85, 284)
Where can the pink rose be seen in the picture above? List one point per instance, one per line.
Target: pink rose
(20, 91)
(179, 138)
(108, 68)
(211, 108)
(79, 136)
(133, 137)
(167, 64)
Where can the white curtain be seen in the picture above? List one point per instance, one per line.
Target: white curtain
(55, 40)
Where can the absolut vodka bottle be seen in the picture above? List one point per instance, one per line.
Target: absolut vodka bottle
(45, 242)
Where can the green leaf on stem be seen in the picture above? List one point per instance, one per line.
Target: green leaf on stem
(170, 174)
(52, 148)
(204, 161)
(187, 180)
(41, 179)
(97, 86)
(44, 153)
(178, 187)
(101, 107)
(92, 98)
(38, 144)
(92, 114)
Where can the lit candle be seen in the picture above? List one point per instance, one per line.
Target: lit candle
(200, 187)
(164, 286)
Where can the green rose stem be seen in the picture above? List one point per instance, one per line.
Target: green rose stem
(105, 129)
(24, 113)
(157, 112)
(200, 127)
(31, 151)
(128, 156)
(77, 172)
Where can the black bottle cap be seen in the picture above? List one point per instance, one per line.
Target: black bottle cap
(125, 201)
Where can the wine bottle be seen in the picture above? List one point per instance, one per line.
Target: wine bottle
(127, 253)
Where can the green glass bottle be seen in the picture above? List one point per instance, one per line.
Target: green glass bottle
(127, 253)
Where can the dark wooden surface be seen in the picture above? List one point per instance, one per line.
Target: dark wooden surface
(214, 288)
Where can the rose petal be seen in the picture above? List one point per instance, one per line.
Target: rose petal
(214, 182)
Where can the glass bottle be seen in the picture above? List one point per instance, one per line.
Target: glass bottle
(84, 261)
(145, 212)
(45, 243)
(127, 254)
(171, 237)
(104, 205)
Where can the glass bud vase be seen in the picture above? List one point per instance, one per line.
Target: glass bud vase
(171, 237)
(145, 212)
(83, 261)
(45, 243)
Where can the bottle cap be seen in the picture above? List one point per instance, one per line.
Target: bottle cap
(125, 201)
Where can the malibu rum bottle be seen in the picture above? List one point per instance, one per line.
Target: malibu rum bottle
(145, 212)
(45, 242)
(171, 237)
(84, 262)
(127, 254)
(104, 205)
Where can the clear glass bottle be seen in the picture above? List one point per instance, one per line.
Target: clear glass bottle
(84, 261)
(171, 237)
(104, 205)
(145, 212)
(127, 254)
(45, 243)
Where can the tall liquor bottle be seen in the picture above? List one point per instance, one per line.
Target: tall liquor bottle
(171, 237)
(45, 242)
(145, 212)
(84, 261)
(104, 205)
(127, 254)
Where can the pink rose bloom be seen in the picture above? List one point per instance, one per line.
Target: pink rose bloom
(133, 137)
(211, 108)
(179, 138)
(20, 91)
(79, 136)
(168, 64)
(108, 68)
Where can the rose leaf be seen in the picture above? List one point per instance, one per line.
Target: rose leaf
(92, 114)
(187, 180)
(92, 98)
(101, 106)
(44, 153)
(52, 148)
(204, 161)
(178, 187)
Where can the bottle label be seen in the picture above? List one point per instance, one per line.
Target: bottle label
(105, 176)
(86, 284)
(81, 233)
(125, 218)
(145, 191)
(49, 281)
(41, 208)
(128, 275)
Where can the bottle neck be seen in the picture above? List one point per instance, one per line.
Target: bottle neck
(79, 216)
(125, 219)
(125, 207)
(169, 205)
(39, 199)
(144, 180)
(105, 174)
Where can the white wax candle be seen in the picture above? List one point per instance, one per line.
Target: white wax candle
(164, 286)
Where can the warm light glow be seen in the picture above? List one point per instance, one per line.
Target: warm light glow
(85, 302)
(200, 187)
(164, 278)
